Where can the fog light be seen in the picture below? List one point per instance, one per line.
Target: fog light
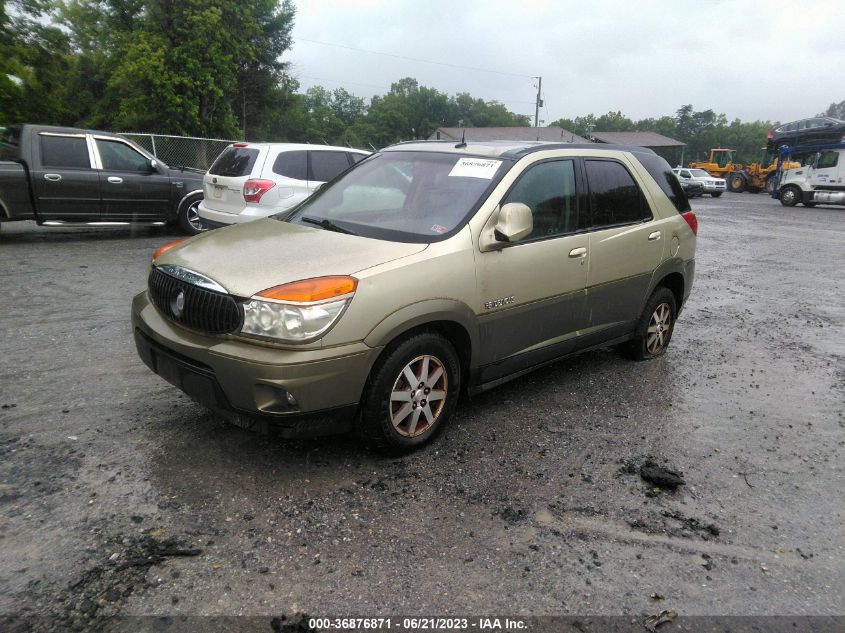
(273, 399)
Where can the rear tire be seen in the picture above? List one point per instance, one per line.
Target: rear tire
(771, 181)
(790, 196)
(411, 394)
(189, 220)
(716, 194)
(654, 328)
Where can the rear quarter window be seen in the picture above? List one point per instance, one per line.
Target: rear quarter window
(662, 173)
(234, 162)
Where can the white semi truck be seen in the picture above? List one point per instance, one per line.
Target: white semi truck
(820, 181)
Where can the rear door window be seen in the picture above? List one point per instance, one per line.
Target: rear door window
(292, 165)
(234, 162)
(616, 198)
(327, 165)
(65, 151)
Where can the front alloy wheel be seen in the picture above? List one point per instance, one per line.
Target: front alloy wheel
(790, 196)
(411, 393)
(418, 396)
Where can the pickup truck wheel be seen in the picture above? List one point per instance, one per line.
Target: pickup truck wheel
(790, 196)
(189, 218)
(654, 327)
(715, 194)
(411, 393)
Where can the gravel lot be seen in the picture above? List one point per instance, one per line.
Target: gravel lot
(119, 495)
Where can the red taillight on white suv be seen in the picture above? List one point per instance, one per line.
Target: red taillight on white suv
(689, 216)
(255, 188)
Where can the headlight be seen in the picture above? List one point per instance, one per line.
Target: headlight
(298, 312)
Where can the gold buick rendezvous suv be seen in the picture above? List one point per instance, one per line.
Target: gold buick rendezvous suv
(426, 270)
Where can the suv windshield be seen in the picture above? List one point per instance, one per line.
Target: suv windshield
(699, 173)
(403, 196)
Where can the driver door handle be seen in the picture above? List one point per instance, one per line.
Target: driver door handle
(53, 177)
(115, 180)
(578, 252)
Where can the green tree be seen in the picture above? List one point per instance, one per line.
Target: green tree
(35, 57)
(835, 110)
(472, 112)
(204, 67)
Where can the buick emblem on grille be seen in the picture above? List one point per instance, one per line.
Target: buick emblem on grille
(178, 304)
(193, 300)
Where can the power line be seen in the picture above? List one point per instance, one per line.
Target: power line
(357, 83)
(413, 59)
(344, 81)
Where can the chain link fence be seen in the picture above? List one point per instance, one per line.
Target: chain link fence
(180, 151)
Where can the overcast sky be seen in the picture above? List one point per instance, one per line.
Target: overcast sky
(779, 62)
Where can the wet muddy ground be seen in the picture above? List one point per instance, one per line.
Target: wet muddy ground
(119, 495)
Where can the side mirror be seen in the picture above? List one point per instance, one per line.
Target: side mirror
(815, 160)
(514, 222)
(153, 164)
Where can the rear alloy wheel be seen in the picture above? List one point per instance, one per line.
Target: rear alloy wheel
(790, 196)
(189, 217)
(654, 328)
(411, 394)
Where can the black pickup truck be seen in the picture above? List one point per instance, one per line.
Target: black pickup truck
(58, 175)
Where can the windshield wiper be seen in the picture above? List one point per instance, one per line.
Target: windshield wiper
(327, 224)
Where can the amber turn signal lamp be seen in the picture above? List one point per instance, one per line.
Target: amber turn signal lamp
(315, 289)
(161, 250)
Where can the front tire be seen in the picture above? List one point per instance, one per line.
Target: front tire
(654, 328)
(736, 183)
(715, 194)
(189, 218)
(790, 196)
(411, 394)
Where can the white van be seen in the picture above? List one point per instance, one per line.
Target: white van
(253, 180)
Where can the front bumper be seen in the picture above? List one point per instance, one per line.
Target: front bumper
(253, 380)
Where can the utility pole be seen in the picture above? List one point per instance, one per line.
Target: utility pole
(538, 103)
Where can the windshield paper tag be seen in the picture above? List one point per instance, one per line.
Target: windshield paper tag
(475, 168)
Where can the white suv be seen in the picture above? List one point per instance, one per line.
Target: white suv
(714, 186)
(254, 180)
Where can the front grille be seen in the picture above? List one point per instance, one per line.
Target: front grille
(203, 310)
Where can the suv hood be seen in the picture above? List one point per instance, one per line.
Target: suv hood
(248, 258)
